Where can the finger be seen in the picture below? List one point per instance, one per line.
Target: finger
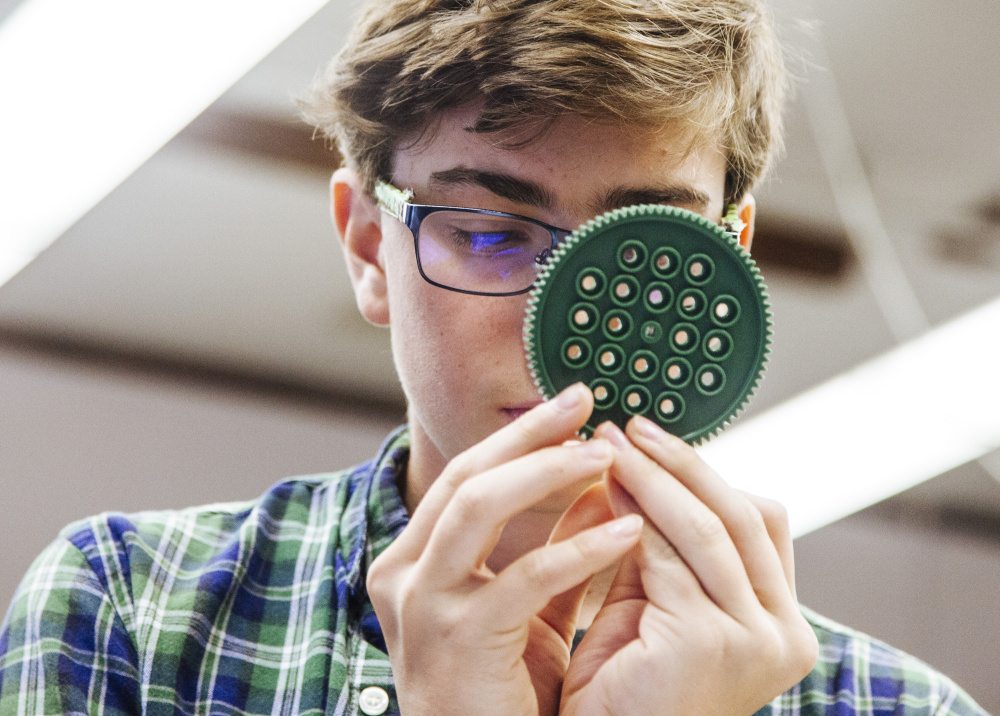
(776, 520)
(551, 423)
(621, 502)
(589, 510)
(526, 586)
(696, 533)
(670, 577)
(471, 523)
(742, 519)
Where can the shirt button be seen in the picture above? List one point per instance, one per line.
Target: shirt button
(374, 701)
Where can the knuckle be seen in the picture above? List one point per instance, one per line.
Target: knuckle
(793, 648)
(471, 502)
(451, 623)
(773, 513)
(378, 583)
(586, 549)
(460, 467)
(558, 461)
(658, 547)
(708, 528)
(805, 648)
(770, 645)
(715, 641)
(752, 520)
(537, 568)
(683, 458)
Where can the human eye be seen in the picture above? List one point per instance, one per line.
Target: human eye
(488, 238)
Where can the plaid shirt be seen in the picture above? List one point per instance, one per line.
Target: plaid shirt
(260, 608)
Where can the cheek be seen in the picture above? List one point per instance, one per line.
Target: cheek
(447, 343)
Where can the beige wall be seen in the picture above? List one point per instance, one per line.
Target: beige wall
(76, 440)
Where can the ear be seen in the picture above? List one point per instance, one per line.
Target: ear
(359, 223)
(747, 211)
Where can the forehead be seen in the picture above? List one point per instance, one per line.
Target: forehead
(575, 160)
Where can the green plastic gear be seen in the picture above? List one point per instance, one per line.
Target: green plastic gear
(660, 312)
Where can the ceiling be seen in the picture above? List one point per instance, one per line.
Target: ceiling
(217, 256)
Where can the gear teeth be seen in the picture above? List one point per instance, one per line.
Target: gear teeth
(536, 300)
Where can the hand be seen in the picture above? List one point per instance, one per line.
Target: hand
(462, 639)
(702, 616)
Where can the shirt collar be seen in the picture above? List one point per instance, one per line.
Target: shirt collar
(374, 515)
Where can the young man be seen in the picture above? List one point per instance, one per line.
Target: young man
(314, 598)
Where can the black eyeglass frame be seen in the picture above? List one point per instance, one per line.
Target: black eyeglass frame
(396, 203)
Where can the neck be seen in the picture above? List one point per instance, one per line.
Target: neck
(424, 466)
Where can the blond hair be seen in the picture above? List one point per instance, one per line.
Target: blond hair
(712, 64)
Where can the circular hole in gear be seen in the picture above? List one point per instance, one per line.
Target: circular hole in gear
(605, 393)
(658, 297)
(624, 290)
(617, 325)
(699, 269)
(610, 359)
(691, 304)
(684, 337)
(718, 345)
(669, 407)
(651, 332)
(636, 400)
(632, 255)
(590, 282)
(575, 352)
(677, 372)
(725, 311)
(643, 365)
(583, 318)
(710, 379)
(666, 262)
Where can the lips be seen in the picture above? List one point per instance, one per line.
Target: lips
(513, 413)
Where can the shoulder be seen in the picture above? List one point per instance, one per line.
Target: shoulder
(858, 674)
(132, 547)
(158, 558)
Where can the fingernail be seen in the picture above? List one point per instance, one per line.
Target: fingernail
(595, 449)
(625, 527)
(569, 398)
(614, 434)
(648, 429)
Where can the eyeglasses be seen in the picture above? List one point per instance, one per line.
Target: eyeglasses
(477, 251)
(483, 252)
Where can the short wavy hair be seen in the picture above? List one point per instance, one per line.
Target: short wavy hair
(714, 65)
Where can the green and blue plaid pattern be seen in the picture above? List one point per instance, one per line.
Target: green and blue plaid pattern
(260, 608)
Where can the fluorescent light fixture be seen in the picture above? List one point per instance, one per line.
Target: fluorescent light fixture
(92, 89)
(915, 412)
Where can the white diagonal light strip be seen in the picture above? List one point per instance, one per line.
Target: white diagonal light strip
(923, 408)
(90, 90)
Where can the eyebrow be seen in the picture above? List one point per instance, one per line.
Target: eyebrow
(505, 186)
(529, 193)
(685, 196)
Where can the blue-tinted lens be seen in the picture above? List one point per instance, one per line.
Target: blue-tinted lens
(480, 252)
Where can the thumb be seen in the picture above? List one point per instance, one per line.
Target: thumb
(589, 510)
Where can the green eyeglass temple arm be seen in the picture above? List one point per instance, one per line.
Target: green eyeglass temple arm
(731, 223)
(393, 201)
